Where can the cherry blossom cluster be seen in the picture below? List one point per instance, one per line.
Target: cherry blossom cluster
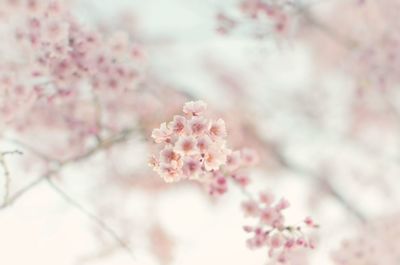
(377, 243)
(271, 230)
(65, 54)
(263, 17)
(194, 147)
(370, 54)
(233, 170)
(75, 78)
(376, 62)
(58, 57)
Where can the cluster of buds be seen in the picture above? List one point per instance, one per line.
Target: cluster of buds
(194, 147)
(271, 230)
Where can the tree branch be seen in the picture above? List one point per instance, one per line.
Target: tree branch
(332, 191)
(7, 179)
(58, 165)
(91, 216)
(123, 136)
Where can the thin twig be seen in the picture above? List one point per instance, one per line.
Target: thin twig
(57, 167)
(22, 191)
(29, 148)
(91, 216)
(121, 137)
(7, 179)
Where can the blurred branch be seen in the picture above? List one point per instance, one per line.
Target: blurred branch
(332, 33)
(58, 165)
(29, 148)
(7, 179)
(11, 199)
(315, 177)
(284, 162)
(90, 215)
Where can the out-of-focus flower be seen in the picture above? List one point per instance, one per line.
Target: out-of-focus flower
(271, 230)
(377, 243)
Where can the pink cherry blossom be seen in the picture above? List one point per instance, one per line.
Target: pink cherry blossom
(218, 129)
(178, 124)
(276, 241)
(198, 125)
(163, 134)
(203, 143)
(249, 157)
(214, 158)
(168, 155)
(266, 198)
(250, 208)
(186, 145)
(233, 160)
(191, 167)
(218, 184)
(269, 216)
(195, 108)
(170, 173)
(273, 233)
